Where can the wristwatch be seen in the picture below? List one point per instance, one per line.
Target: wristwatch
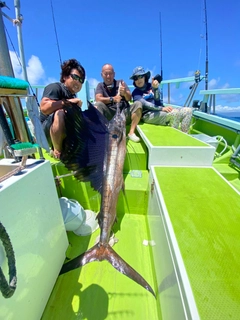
(111, 100)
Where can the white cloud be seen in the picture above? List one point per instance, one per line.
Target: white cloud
(225, 86)
(223, 109)
(17, 68)
(35, 70)
(212, 84)
(51, 80)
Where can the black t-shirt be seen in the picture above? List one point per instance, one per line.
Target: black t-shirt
(55, 91)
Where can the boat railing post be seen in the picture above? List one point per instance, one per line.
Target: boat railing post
(210, 104)
(214, 103)
(168, 92)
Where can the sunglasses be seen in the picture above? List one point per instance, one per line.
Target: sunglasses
(135, 78)
(76, 77)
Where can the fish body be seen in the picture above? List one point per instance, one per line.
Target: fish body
(113, 174)
(112, 183)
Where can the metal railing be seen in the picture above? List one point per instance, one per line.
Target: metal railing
(210, 97)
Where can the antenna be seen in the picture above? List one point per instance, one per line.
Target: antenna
(206, 36)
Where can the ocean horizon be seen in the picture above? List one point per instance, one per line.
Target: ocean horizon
(235, 116)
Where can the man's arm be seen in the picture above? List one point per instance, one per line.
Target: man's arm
(99, 95)
(100, 98)
(48, 106)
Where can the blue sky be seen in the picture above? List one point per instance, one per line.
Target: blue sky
(127, 34)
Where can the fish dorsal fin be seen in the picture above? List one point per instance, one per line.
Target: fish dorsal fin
(84, 146)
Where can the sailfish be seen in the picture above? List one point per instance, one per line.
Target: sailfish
(95, 150)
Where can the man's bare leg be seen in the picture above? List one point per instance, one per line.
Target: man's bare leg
(57, 132)
(136, 116)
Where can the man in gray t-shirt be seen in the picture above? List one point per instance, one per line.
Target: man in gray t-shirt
(110, 92)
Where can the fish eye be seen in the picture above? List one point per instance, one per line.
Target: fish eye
(114, 136)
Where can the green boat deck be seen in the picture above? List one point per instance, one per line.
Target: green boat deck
(97, 291)
(203, 211)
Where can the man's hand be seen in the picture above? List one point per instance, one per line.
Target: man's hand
(124, 92)
(75, 101)
(155, 83)
(167, 109)
(117, 98)
(122, 88)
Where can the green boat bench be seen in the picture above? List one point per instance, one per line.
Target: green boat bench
(194, 220)
(169, 146)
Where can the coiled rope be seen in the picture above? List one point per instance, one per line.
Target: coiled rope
(8, 289)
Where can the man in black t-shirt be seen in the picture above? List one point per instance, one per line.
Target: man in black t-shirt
(111, 91)
(55, 96)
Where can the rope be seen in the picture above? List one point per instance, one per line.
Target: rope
(220, 138)
(8, 289)
(15, 171)
(10, 174)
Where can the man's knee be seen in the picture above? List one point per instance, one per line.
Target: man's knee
(59, 115)
(137, 105)
(136, 108)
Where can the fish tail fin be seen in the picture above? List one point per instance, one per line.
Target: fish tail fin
(81, 260)
(105, 252)
(122, 266)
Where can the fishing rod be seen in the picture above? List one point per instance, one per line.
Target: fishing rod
(159, 77)
(160, 25)
(206, 38)
(56, 35)
(197, 73)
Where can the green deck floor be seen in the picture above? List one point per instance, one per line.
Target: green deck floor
(205, 215)
(97, 291)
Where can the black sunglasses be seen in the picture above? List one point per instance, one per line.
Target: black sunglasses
(135, 78)
(76, 77)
